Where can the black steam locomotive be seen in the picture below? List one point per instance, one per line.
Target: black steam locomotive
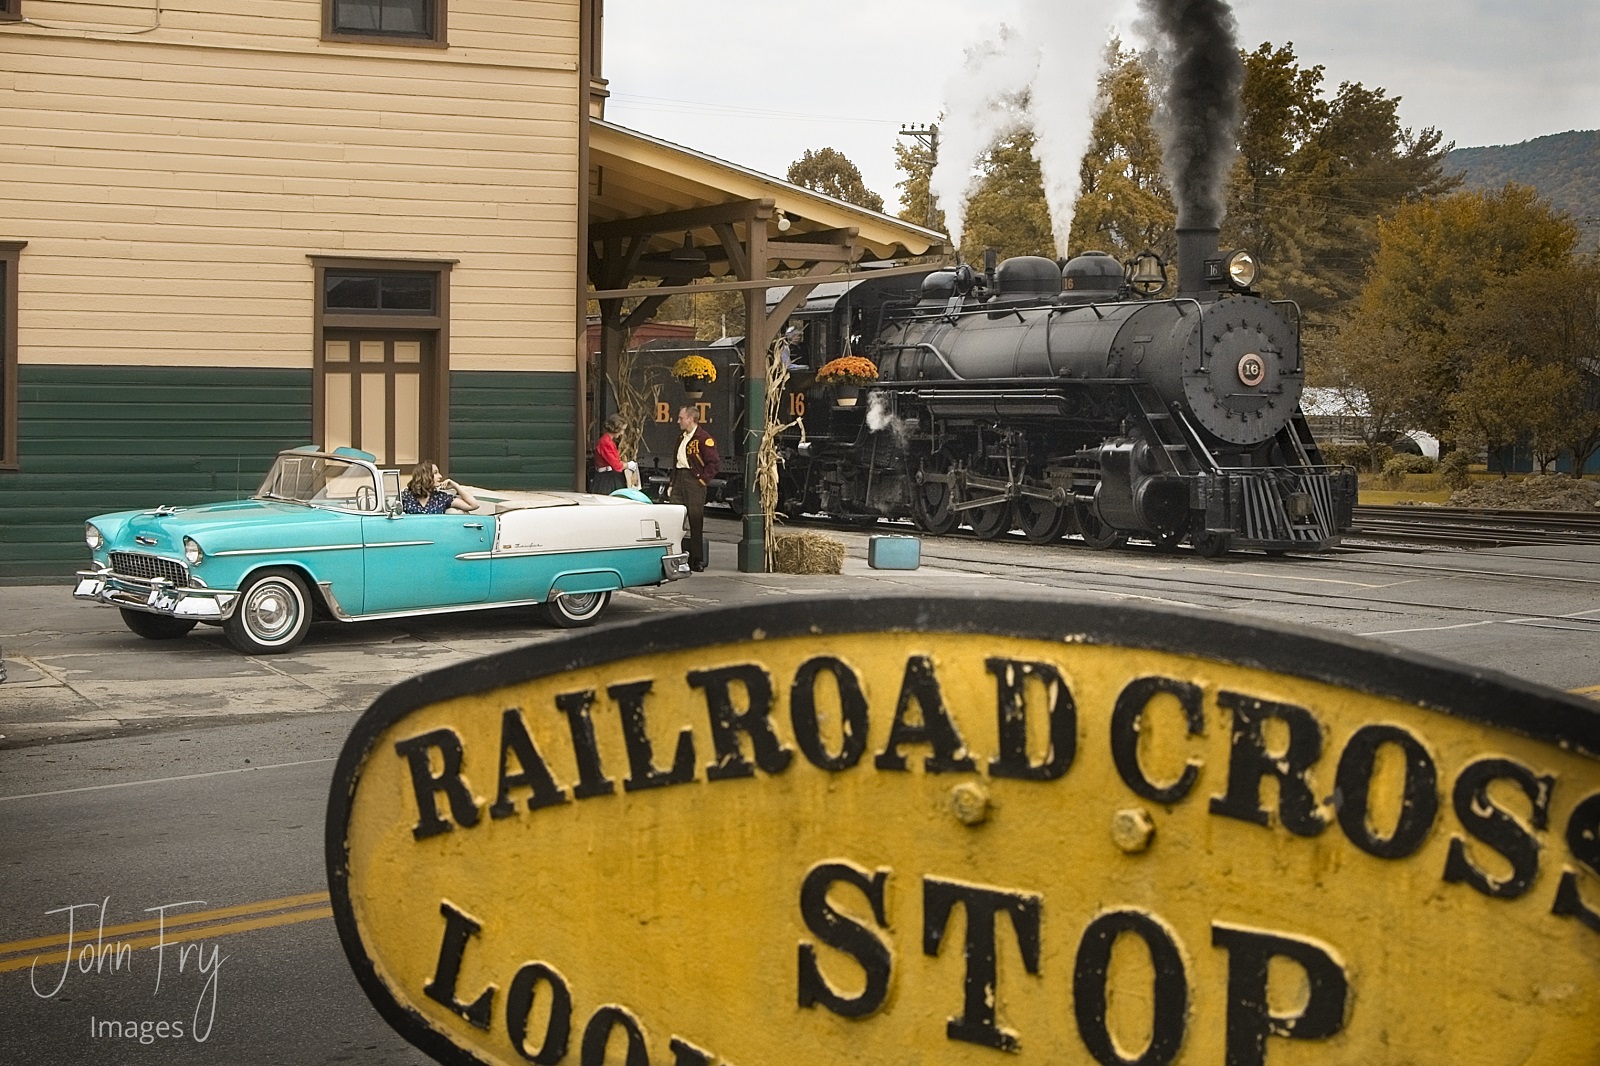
(1058, 399)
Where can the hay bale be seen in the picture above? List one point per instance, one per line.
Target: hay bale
(807, 553)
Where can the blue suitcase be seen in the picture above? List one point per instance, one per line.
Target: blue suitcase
(894, 552)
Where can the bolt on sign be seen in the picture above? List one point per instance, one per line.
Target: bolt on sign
(959, 831)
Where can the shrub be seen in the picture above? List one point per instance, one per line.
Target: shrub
(1455, 469)
(1345, 454)
(1397, 467)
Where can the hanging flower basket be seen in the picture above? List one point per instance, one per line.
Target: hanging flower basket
(694, 372)
(846, 375)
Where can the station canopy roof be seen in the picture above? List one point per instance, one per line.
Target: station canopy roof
(634, 176)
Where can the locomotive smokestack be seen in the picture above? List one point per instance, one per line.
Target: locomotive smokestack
(1198, 120)
(1195, 246)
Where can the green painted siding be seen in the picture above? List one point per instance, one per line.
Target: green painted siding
(94, 439)
(512, 430)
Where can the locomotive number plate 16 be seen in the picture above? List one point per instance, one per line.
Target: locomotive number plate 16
(961, 831)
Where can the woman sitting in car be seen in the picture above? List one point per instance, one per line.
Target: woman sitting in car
(432, 493)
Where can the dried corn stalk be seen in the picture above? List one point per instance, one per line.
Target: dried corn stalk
(636, 400)
(767, 454)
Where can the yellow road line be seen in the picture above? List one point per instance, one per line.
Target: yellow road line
(1592, 691)
(84, 934)
(177, 938)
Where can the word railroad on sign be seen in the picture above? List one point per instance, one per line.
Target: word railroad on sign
(962, 831)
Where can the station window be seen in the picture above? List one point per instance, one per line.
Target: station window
(10, 10)
(388, 21)
(10, 257)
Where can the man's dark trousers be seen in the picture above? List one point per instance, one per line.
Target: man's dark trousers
(689, 491)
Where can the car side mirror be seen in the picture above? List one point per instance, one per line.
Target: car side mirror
(394, 507)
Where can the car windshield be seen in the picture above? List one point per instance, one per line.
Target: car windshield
(320, 482)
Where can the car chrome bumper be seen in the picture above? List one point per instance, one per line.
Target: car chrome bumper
(155, 596)
(675, 566)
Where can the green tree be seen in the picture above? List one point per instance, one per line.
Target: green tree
(1435, 260)
(1124, 202)
(830, 172)
(916, 160)
(1314, 176)
(1007, 211)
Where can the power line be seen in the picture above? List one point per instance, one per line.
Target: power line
(701, 107)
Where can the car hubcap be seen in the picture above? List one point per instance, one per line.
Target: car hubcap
(579, 605)
(272, 613)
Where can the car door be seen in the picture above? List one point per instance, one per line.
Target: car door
(421, 561)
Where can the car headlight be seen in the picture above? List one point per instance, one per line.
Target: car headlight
(92, 537)
(192, 552)
(1242, 270)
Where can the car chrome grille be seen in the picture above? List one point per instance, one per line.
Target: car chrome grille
(137, 564)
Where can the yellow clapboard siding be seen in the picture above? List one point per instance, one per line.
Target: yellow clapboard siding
(173, 185)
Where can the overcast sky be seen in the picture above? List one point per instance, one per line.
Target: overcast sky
(758, 82)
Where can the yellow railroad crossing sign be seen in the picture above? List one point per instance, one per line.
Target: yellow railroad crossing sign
(959, 831)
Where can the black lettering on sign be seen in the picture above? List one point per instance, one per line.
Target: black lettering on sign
(1011, 704)
(458, 929)
(1127, 722)
(1419, 796)
(535, 775)
(865, 945)
(936, 729)
(980, 997)
(426, 784)
(1250, 1019)
(642, 770)
(686, 1054)
(597, 1034)
(592, 779)
(519, 1005)
(754, 721)
(1583, 841)
(1494, 827)
(1249, 762)
(852, 714)
(1170, 1001)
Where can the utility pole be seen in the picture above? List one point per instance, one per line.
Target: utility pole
(928, 135)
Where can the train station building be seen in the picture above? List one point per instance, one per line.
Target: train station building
(375, 223)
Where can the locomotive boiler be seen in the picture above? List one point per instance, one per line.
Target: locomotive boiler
(1079, 398)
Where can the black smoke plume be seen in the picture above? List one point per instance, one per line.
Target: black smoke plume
(1199, 114)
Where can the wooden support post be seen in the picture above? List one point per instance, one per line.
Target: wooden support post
(757, 338)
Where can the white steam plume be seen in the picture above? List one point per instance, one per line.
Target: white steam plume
(1054, 57)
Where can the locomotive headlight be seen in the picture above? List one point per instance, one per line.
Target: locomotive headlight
(192, 552)
(1242, 269)
(92, 537)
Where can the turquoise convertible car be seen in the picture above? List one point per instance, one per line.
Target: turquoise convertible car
(324, 537)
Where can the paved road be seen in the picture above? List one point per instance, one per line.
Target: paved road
(137, 775)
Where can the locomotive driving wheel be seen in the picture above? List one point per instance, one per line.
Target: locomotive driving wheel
(1096, 534)
(1040, 520)
(931, 500)
(990, 521)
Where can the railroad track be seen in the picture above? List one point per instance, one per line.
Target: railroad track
(1463, 527)
(1416, 527)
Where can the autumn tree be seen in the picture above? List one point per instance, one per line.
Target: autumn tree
(1007, 210)
(830, 172)
(1541, 326)
(1436, 260)
(1124, 202)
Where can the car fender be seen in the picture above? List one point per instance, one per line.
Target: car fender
(577, 581)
